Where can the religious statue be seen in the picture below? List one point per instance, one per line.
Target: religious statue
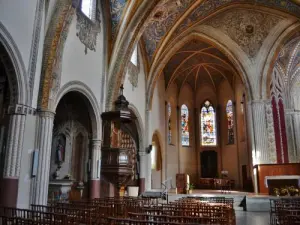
(60, 151)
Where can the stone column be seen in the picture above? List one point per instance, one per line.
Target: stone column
(290, 131)
(296, 121)
(260, 154)
(95, 171)
(10, 182)
(44, 142)
(143, 172)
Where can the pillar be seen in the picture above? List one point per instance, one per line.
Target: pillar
(95, 170)
(296, 124)
(40, 183)
(143, 172)
(291, 140)
(10, 182)
(260, 154)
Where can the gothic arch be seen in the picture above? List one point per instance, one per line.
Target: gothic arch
(53, 49)
(18, 77)
(94, 111)
(206, 34)
(267, 72)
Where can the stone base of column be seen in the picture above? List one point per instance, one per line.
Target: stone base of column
(141, 185)
(94, 189)
(9, 192)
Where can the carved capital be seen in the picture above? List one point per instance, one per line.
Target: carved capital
(46, 113)
(18, 109)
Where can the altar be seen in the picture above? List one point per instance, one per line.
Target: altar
(59, 189)
(282, 181)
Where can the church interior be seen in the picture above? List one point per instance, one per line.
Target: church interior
(150, 112)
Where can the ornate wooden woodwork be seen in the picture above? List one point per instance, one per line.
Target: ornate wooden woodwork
(118, 163)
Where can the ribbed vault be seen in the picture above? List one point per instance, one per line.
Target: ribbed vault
(198, 63)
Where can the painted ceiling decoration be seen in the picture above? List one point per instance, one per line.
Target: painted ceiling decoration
(247, 27)
(168, 16)
(288, 61)
(163, 19)
(198, 63)
(116, 10)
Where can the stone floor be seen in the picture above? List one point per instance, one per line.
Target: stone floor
(252, 218)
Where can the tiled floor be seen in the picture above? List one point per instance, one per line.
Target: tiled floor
(252, 218)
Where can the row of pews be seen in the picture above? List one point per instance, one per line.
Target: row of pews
(125, 211)
(285, 211)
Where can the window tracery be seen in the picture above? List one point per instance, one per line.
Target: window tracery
(185, 135)
(230, 123)
(208, 125)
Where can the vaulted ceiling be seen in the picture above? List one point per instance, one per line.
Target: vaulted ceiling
(198, 63)
(179, 15)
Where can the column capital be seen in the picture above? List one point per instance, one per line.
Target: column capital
(19, 109)
(46, 113)
(258, 101)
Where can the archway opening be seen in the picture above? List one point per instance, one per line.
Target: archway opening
(209, 114)
(4, 105)
(156, 163)
(9, 97)
(71, 148)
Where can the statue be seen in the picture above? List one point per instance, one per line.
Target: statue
(60, 151)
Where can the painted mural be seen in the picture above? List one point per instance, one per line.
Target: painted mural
(116, 10)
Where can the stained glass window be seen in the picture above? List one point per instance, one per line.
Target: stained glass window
(169, 124)
(208, 125)
(230, 124)
(134, 57)
(87, 7)
(185, 135)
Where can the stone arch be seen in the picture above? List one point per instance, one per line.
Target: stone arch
(121, 55)
(273, 56)
(15, 68)
(94, 111)
(206, 34)
(140, 127)
(53, 49)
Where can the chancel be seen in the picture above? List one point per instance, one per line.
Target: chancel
(112, 111)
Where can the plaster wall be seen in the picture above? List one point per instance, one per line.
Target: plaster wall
(137, 95)
(172, 159)
(157, 123)
(78, 66)
(24, 191)
(229, 152)
(188, 158)
(18, 18)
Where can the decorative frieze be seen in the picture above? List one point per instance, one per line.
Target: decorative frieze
(87, 29)
(21, 110)
(271, 134)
